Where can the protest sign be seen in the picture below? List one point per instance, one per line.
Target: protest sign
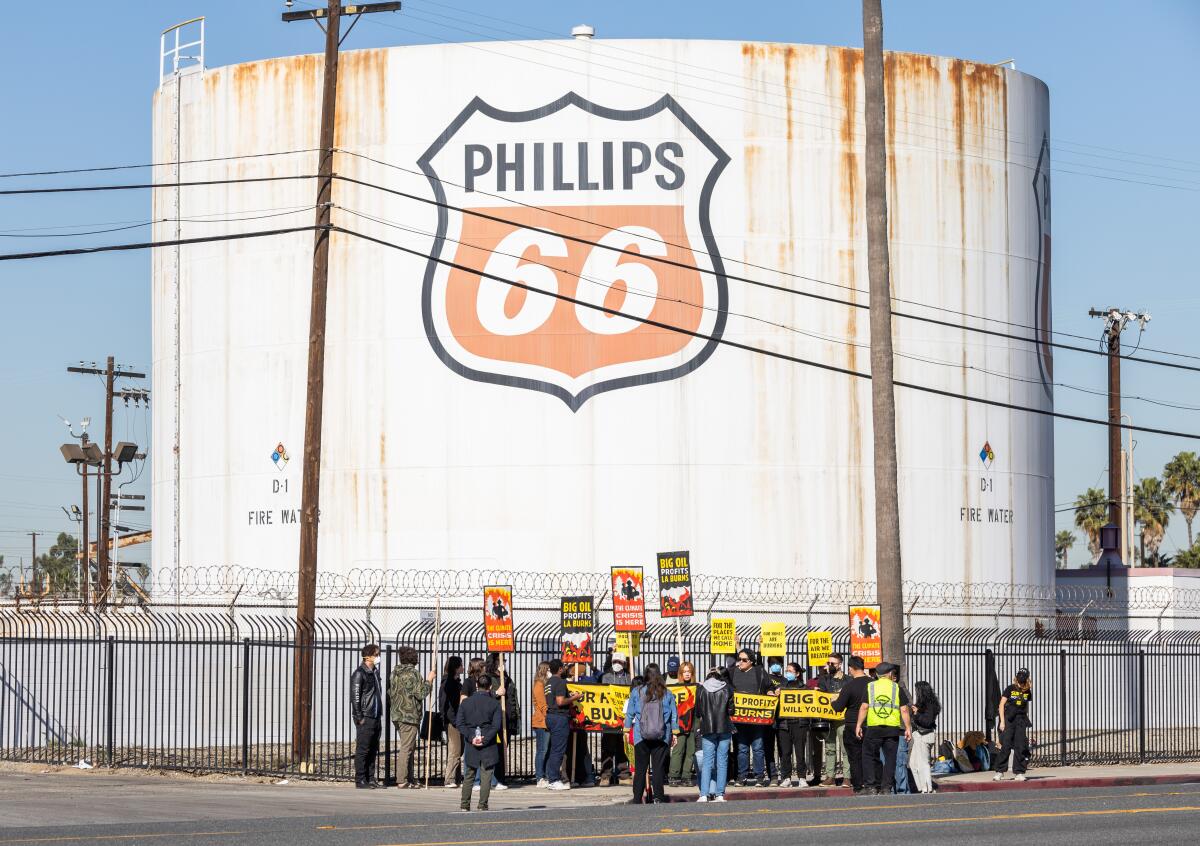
(866, 638)
(804, 704)
(751, 709)
(628, 644)
(497, 618)
(675, 585)
(820, 647)
(773, 639)
(602, 707)
(685, 703)
(629, 599)
(722, 636)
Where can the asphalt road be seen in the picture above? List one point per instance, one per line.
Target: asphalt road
(1120, 815)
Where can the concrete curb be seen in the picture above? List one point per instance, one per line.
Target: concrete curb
(1034, 783)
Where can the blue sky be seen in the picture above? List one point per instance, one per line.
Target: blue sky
(1121, 77)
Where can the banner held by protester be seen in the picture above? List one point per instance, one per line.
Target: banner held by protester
(577, 622)
(804, 704)
(820, 647)
(498, 618)
(866, 636)
(629, 599)
(751, 709)
(602, 707)
(773, 640)
(722, 636)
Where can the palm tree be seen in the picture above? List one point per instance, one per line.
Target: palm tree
(1063, 541)
(1152, 508)
(1091, 512)
(1181, 478)
(1189, 558)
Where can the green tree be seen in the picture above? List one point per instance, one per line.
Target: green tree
(5, 579)
(1189, 558)
(1091, 513)
(1063, 541)
(1181, 477)
(1152, 509)
(60, 565)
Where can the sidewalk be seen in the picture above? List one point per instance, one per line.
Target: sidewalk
(36, 795)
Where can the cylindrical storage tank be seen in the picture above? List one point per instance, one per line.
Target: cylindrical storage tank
(710, 195)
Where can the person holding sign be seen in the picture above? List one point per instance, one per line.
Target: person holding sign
(651, 713)
(749, 677)
(793, 737)
(832, 680)
(885, 715)
(558, 721)
(684, 752)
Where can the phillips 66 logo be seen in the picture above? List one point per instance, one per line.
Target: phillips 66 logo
(601, 217)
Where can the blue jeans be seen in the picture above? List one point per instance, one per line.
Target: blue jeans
(902, 767)
(541, 752)
(559, 728)
(714, 763)
(750, 741)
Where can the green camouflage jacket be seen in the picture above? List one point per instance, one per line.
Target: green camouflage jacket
(407, 691)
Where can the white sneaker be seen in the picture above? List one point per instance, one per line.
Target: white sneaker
(543, 783)
(452, 786)
(475, 789)
(702, 798)
(558, 785)
(1019, 777)
(499, 786)
(998, 777)
(720, 798)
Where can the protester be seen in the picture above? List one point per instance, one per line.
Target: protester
(448, 700)
(901, 781)
(683, 754)
(850, 699)
(771, 733)
(613, 750)
(558, 721)
(1014, 727)
(407, 692)
(926, 709)
(505, 689)
(366, 709)
(584, 772)
(832, 680)
(882, 719)
(541, 736)
(793, 736)
(749, 677)
(651, 714)
(474, 671)
(479, 720)
(714, 704)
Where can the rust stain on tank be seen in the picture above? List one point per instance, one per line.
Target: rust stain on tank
(362, 97)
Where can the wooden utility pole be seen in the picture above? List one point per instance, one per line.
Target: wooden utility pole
(35, 585)
(1115, 321)
(888, 572)
(310, 505)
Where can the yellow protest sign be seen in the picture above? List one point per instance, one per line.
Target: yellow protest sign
(628, 644)
(722, 636)
(753, 710)
(602, 707)
(804, 704)
(820, 646)
(773, 640)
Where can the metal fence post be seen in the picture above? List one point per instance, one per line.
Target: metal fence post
(1062, 711)
(387, 723)
(245, 705)
(110, 648)
(1142, 705)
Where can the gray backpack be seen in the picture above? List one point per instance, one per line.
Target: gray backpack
(653, 727)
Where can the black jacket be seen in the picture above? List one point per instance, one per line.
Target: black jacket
(366, 694)
(755, 680)
(853, 694)
(448, 698)
(712, 710)
(831, 684)
(480, 711)
(798, 684)
(925, 719)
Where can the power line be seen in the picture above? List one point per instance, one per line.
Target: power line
(737, 278)
(76, 189)
(769, 353)
(142, 224)
(105, 168)
(177, 242)
(787, 327)
(841, 286)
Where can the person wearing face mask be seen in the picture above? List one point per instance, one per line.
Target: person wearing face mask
(366, 709)
(771, 738)
(750, 677)
(793, 737)
(614, 756)
(832, 680)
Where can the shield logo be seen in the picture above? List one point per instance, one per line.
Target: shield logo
(1043, 333)
(600, 217)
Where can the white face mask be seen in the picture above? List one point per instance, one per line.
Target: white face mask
(618, 667)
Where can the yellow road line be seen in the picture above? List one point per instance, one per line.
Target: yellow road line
(677, 813)
(810, 827)
(91, 837)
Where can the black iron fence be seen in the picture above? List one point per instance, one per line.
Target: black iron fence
(208, 692)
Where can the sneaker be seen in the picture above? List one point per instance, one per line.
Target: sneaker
(764, 782)
(482, 808)
(798, 783)
(747, 782)
(702, 798)
(464, 807)
(998, 777)
(475, 789)
(827, 782)
(452, 786)
(1019, 777)
(499, 786)
(558, 785)
(719, 798)
(543, 783)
